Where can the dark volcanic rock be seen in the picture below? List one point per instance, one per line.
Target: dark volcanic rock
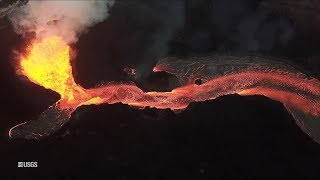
(231, 137)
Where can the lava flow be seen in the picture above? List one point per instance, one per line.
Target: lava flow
(48, 64)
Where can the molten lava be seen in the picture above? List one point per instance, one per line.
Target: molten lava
(48, 64)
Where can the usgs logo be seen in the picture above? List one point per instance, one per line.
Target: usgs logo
(27, 164)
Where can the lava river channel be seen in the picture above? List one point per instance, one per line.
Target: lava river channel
(47, 63)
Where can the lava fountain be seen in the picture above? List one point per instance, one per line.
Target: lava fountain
(48, 64)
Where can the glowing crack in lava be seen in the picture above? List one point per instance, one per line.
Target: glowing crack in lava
(48, 64)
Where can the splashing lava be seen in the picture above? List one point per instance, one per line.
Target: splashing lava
(48, 64)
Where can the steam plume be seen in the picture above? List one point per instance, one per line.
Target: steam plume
(67, 19)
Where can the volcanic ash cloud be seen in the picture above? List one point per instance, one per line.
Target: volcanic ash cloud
(67, 19)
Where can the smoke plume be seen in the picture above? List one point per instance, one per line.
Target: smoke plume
(67, 19)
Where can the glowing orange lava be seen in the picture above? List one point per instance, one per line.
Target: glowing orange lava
(48, 64)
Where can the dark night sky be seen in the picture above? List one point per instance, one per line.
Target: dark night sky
(231, 137)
